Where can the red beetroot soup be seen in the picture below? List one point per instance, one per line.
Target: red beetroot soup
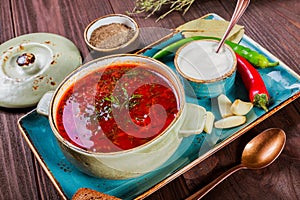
(117, 108)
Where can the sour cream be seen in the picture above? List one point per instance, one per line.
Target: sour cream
(198, 61)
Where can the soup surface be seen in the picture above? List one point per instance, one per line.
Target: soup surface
(116, 108)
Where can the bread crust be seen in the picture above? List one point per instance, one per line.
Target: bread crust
(89, 194)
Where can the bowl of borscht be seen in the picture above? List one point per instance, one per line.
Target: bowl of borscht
(121, 116)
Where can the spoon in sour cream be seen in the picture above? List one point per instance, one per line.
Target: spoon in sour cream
(238, 12)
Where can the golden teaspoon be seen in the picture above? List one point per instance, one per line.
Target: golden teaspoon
(260, 152)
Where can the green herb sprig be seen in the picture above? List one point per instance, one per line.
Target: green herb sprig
(152, 6)
(128, 102)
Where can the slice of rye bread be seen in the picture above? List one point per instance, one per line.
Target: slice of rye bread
(89, 194)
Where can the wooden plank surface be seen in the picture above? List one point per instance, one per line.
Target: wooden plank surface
(275, 25)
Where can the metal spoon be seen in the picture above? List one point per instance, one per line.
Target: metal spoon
(260, 152)
(238, 12)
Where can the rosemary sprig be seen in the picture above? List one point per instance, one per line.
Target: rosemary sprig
(152, 6)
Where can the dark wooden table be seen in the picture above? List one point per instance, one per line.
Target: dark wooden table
(273, 24)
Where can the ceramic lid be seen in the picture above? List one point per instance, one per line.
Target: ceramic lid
(33, 64)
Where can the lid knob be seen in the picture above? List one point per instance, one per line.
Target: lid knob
(25, 59)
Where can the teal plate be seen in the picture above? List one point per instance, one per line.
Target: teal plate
(282, 83)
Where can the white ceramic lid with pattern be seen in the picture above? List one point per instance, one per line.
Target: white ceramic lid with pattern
(32, 64)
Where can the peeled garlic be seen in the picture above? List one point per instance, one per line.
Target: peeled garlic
(224, 104)
(240, 107)
(209, 123)
(230, 122)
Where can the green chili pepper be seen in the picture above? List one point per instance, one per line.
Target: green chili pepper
(255, 58)
(173, 47)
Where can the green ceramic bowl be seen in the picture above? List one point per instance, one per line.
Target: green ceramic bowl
(139, 160)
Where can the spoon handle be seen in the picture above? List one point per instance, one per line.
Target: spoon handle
(238, 12)
(200, 193)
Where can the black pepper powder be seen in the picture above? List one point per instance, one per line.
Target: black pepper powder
(111, 35)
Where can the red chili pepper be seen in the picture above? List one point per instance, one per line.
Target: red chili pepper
(258, 93)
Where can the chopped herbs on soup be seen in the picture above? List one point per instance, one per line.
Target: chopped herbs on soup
(117, 108)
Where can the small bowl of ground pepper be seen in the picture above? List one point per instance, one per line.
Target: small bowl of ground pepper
(110, 34)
